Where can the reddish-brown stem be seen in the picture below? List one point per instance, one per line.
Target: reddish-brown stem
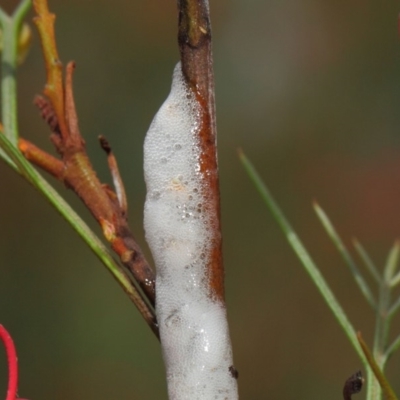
(12, 363)
(77, 173)
(194, 39)
(75, 169)
(74, 140)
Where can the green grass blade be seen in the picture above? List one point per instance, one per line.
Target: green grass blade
(332, 233)
(304, 257)
(371, 267)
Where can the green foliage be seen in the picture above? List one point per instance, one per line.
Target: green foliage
(384, 309)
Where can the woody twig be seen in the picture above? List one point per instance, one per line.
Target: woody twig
(75, 169)
(194, 38)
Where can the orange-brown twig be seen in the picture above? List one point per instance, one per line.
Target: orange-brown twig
(42, 159)
(75, 169)
(54, 88)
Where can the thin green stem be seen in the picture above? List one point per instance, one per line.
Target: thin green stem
(395, 307)
(304, 257)
(395, 280)
(374, 390)
(373, 270)
(8, 78)
(392, 277)
(21, 11)
(383, 386)
(392, 262)
(5, 157)
(392, 348)
(332, 233)
(10, 28)
(382, 324)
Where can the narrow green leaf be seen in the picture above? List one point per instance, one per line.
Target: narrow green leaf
(395, 280)
(391, 265)
(304, 257)
(392, 348)
(394, 309)
(332, 233)
(367, 260)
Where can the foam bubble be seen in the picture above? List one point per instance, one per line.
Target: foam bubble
(193, 327)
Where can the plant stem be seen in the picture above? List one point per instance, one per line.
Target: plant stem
(383, 320)
(395, 307)
(10, 153)
(95, 244)
(194, 39)
(11, 26)
(373, 270)
(348, 259)
(376, 372)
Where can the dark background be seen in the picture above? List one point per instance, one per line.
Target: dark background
(310, 90)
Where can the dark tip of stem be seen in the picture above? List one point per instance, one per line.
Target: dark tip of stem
(104, 144)
(353, 385)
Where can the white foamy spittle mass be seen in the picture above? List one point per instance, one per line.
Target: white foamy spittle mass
(193, 327)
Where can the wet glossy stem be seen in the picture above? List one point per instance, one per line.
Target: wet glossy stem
(194, 39)
(11, 26)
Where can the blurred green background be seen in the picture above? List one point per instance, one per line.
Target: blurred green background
(310, 90)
